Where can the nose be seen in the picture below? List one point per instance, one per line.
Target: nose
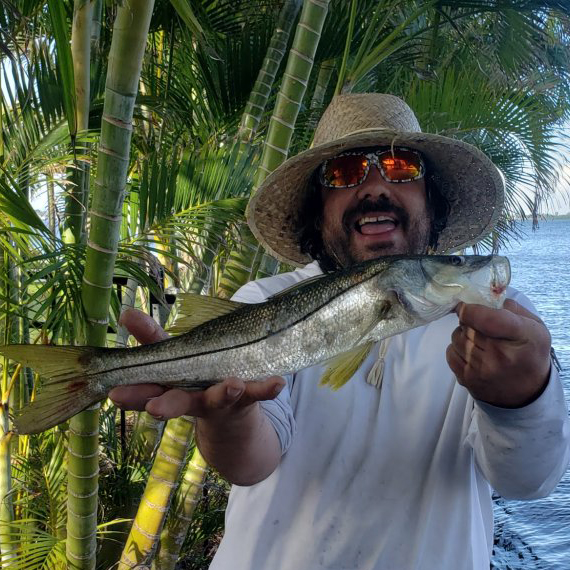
(374, 185)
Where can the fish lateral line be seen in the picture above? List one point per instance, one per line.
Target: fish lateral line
(300, 320)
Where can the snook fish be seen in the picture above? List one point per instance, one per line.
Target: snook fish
(334, 318)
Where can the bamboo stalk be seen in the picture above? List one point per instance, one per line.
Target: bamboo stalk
(323, 79)
(125, 62)
(295, 80)
(8, 546)
(83, 475)
(178, 522)
(242, 266)
(266, 77)
(74, 221)
(162, 482)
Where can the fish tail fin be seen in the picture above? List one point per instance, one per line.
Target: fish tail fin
(68, 388)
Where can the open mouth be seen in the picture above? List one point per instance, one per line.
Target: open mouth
(375, 225)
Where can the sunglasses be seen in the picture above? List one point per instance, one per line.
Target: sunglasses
(351, 168)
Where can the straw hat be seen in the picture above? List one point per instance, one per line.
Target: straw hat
(466, 177)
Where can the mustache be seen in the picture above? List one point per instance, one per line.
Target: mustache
(382, 204)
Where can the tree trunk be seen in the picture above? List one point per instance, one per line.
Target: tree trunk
(125, 62)
(74, 221)
(142, 541)
(259, 95)
(178, 522)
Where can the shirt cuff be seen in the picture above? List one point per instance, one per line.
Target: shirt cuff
(551, 400)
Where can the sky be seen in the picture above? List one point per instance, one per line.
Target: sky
(560, 203)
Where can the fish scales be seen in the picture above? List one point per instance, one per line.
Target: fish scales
(332, 314)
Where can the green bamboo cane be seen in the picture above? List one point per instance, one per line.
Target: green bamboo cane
(259, 95)
(143, 539)
(7, 544)
(74, 221)
(244, 261)
(7, 534)
(278, 139)
(123, 74)
(96, 34)
(295, 80)
(180, 517)
(323, 79)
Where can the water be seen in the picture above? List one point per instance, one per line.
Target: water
(535, 535)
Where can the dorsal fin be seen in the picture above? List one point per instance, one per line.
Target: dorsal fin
(299, 285)
(193, 310)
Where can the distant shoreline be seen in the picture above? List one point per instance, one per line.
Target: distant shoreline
(557, 217)
(546, 218)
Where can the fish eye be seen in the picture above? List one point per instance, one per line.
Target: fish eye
(457, 260)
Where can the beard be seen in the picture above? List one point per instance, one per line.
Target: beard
(339, 250)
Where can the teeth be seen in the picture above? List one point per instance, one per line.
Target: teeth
(373, 219)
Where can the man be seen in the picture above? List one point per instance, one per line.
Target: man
(393, 471)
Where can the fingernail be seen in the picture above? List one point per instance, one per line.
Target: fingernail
(159, 418)
(233, 392)
(278, 388)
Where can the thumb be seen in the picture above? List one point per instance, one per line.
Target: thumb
(142, 326)
(518, 309)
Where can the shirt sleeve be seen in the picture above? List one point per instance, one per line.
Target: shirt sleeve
(523, 452)
(279, 410)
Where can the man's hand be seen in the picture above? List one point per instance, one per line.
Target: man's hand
(502, 356)
(233, 433)
(231, 395)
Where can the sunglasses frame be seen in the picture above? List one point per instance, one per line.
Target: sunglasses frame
(373, 159)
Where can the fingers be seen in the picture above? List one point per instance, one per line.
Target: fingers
(468, 343)
(230, 395)
(457, 363)
(261, 391)
(508, 323)
(142, 326)
(135, 397)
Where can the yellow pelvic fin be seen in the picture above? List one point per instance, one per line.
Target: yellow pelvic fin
(342, 368)
(193, 310)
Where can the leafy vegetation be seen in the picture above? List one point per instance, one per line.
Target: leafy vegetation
(212, 90)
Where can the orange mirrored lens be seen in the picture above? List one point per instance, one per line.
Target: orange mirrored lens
(345, 170)
(402, 165)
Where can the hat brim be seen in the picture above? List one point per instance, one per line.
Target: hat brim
(467, 178)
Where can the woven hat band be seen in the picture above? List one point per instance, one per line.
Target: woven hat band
(356, 112)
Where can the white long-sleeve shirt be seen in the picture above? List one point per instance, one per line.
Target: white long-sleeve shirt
(391, 478)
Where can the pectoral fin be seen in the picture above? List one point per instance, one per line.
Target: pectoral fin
(343, 367)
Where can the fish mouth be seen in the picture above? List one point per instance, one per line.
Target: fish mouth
(476, 279)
